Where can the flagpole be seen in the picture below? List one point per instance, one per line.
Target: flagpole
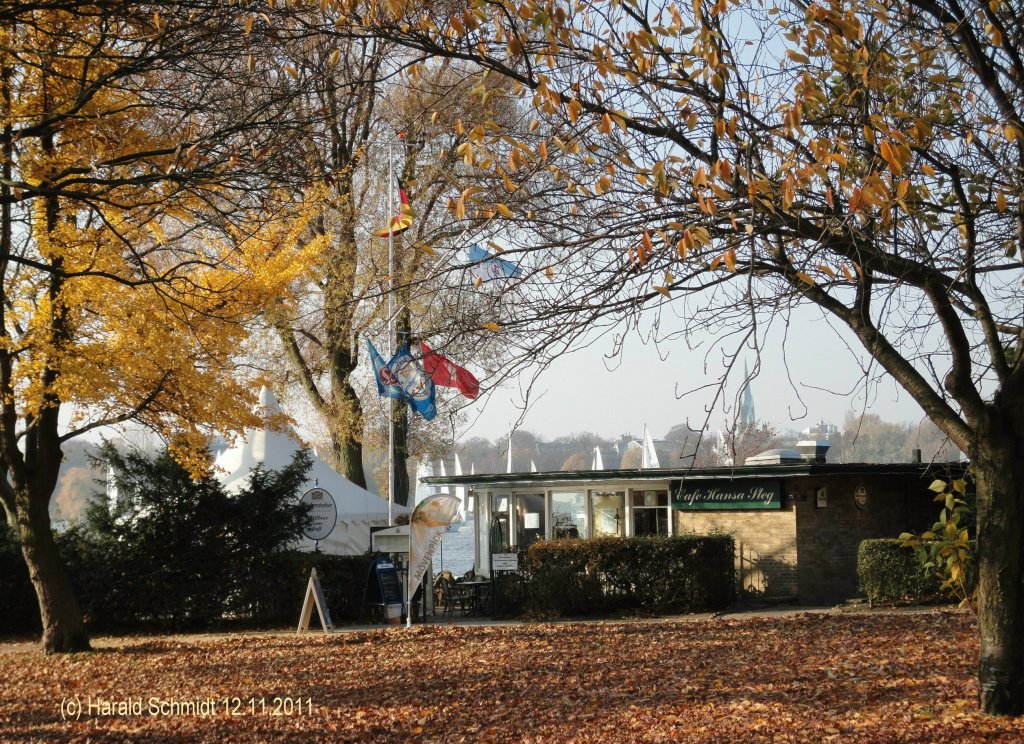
(391, 335)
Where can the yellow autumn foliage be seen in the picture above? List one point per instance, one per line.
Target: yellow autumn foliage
(133, 288)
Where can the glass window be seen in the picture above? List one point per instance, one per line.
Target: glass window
(499, 535)
(650, 512)
(608, 513)
(530, 521)
(568, 514)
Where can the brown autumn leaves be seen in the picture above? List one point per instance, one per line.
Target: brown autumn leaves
(840, 677)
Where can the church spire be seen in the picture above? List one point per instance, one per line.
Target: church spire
(747, 417)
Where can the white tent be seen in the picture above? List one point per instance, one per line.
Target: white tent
(358, 509)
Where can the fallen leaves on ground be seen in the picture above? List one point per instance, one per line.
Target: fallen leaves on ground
(807, 678)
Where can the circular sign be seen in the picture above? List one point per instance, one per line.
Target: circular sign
(860, 496)
(323, 514)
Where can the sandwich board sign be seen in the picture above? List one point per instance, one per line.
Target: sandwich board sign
(315, 596)
(384, 590)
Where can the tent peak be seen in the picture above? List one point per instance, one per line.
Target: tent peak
(269, 405)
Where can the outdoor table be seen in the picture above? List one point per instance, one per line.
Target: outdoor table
(477, 586)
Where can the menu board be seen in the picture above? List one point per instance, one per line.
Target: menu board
(387, 580)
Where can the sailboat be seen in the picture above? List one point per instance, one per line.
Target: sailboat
(441, 471)
(460, 493)
(424, 469)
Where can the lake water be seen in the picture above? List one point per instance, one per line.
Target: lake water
(455, 553)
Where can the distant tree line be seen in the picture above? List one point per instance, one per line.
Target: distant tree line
(862, 438)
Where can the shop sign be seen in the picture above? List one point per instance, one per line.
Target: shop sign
(746, 494)
(505, 561)
(323, 514)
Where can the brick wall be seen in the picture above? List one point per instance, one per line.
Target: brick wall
(766, 545)
(827, 537)
(808, 551)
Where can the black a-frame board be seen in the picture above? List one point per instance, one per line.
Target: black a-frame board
(383, 588)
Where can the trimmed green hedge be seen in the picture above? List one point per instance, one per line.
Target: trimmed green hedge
(268, 595)
(888, 572)
(650, 575)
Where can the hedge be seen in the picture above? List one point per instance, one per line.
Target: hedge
(888, 572)
(649, 575)
(112, 598)
(19, 610)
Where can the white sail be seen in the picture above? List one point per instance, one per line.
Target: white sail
(460, 491)
(598, 462)
(650, 457)
(424, 469)
(509, 470)
(722, 456)
(440, 471)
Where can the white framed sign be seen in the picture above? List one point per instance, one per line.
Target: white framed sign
(821, 498)
(323, 513)
(505, 562)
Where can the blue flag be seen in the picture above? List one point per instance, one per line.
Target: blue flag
(414, 382)
(488, 267)
(387, 385)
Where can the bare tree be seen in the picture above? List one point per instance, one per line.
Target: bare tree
(725, 164)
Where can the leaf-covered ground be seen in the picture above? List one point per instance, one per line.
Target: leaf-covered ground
(807, 678)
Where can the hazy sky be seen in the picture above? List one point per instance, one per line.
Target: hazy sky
(581, 394)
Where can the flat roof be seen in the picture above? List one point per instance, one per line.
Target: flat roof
(739, 472)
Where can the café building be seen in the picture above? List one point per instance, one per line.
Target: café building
(797, 520)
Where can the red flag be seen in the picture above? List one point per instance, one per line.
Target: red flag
(447, 373)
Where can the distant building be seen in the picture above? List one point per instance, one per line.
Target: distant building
(822, 432)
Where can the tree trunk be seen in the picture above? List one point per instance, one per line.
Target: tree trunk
(63, 628)
(999, 471)
(348, 450)
(345, 419)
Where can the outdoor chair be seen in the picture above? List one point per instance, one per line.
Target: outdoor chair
(454, 596)
(439, 597)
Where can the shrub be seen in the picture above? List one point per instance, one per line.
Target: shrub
(890, 572)
(19, 610)
(172, 552)
(653, 575)
(946, 550)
